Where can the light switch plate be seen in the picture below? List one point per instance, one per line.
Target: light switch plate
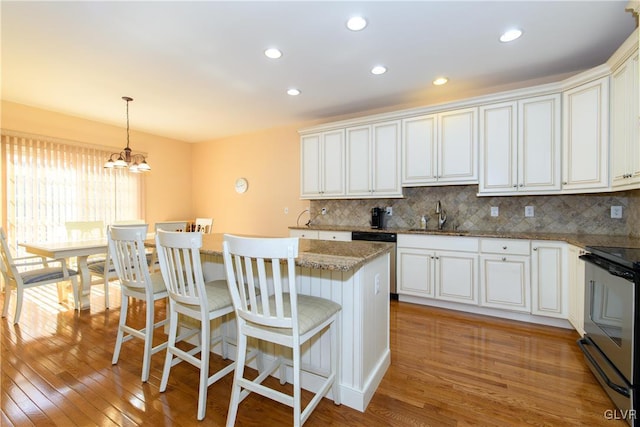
(616, 212)
(528, 211)
(389, 210)
(495, 211)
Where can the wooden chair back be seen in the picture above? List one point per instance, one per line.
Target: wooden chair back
(127, 252)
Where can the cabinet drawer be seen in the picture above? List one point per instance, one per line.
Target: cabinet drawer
(340, 236)
(445, 243)
(304, 234)
(505, 246)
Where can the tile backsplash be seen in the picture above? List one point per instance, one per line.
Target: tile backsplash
(579, 213)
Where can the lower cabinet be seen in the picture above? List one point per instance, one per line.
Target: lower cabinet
(429, 266)
(576, 288)
(549, 273)
(342, 236)
(504, 282)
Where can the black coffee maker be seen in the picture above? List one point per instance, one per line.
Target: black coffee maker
(377, 217)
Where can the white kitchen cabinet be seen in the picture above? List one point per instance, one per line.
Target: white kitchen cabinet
(322, 165)
(549, 278)
(585, 138)
(520, 146)
(576, 288)
(625, 146)
(505, 270)
(441, 267)
(304, 234)
(373, 160)
(415, 274)
(440, 148)
(338, 236)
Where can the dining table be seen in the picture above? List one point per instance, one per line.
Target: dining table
(81, 250)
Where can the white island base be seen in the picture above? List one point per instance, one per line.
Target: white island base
(363, 293)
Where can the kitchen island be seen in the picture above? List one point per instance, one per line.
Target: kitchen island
(356, 276)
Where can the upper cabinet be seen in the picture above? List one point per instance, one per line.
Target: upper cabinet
(625, 146)
(586, 137)
(440, 148)
(322, 165)
(373, 160)
(520, 146)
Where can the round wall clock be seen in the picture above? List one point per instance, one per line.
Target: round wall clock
(241, 185)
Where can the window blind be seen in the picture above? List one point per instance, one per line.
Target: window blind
(47, 182)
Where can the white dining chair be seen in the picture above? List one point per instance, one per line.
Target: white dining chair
(189, 295)
(204, 225)
(277, 314)
(28, 272)
(166, 226)
(99, 266)
(127, 251)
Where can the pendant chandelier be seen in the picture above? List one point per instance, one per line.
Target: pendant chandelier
(126, 159)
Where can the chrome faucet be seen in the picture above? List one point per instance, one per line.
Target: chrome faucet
(442, 215)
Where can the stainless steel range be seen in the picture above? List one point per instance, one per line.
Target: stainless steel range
(611, 344)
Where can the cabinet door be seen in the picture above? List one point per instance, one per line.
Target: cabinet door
(549, 277)
(505, 282)
(458, 146)
(585, 137)
(322, 165)
(359, 161)
(333, 164)
(310, 165)
(625, 151)
(576, 288)
(456, 276)
(415, 273)
(498, 148)
(386, 159)
(419, 137)
(304, 234)
(539, 143)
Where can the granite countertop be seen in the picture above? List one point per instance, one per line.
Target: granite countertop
(577, 239)
(318, 254)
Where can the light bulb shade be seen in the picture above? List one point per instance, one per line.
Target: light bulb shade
(134, 168)
(144, 166)
(120, 163)
(108, 164)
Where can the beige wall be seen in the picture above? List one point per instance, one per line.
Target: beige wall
(270, 161)
(168, 185)
(191, 180)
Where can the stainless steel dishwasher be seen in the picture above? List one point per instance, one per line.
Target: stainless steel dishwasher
(387, 237)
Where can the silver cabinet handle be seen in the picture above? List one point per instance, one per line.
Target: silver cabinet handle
(504, 258)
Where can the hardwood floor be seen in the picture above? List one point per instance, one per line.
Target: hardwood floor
(447, 369)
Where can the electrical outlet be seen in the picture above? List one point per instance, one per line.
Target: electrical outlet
(616, 212)
(389, 211)
(324, 211)
(286, 211)
(495, 211)
(528, 211)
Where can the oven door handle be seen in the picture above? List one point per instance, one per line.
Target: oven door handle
(620, 389)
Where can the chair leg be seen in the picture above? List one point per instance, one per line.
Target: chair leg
(7, 297)
(171, 344)
(19, 293)
(335, 365)
(238, 375)
(123, 320)
(296, 387)
(205, 349)
(148, 340)
(106, 290)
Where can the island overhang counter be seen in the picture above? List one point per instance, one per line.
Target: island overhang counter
(356, 276)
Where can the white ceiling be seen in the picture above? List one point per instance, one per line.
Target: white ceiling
(197, 72)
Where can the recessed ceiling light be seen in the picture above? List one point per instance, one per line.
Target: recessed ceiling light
(511, 35)
(273, 53)
(356, 23)
(293, 92)
(378, 69)
(440, 81)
